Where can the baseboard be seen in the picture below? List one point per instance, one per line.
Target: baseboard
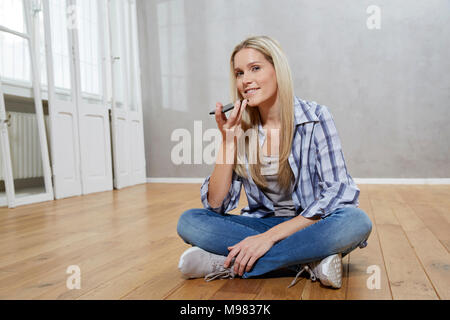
(357, 180)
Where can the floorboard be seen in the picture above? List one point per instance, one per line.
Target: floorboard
(126, 246)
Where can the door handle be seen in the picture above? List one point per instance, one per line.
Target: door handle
(7, 121)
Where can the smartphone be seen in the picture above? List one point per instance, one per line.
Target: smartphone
(226, 108)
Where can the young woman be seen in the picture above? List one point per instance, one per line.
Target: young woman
(302, 203)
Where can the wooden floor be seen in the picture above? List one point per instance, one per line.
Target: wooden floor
(126, 246)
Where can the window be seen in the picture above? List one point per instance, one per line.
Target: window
(15, 66)
(90, 57)
(14, 57)
(60, 44)
(11, 15)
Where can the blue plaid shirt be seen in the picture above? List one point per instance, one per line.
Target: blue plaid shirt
(322, 183)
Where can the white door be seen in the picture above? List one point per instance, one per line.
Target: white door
(127, 125)
(138, 171)
(119, 112)
(64, 130)
(93, 114)
(25, 150)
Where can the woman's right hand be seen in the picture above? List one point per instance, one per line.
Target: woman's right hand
(230, 127)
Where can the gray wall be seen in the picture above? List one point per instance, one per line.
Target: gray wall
(388, 89)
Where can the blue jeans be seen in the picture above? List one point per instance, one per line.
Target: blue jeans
(341, 231)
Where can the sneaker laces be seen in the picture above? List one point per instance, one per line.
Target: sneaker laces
(307, 269)
(220, 271)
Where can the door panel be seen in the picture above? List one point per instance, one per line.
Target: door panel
(93, 113)
(127, 127)
(64, 131)
(65, 126)
(119, 111)
(137, 151)
(136, 117)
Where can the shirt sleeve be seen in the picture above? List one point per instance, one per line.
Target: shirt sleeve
(230, 201)
(336, 187)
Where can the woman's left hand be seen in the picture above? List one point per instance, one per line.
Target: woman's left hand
(247, 252)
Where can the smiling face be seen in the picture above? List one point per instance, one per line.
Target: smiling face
(255, 77)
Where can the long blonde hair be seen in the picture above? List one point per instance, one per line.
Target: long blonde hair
(272, 51)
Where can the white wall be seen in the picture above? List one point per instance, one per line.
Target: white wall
(388, 89)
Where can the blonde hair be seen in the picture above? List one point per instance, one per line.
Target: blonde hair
(272, 51)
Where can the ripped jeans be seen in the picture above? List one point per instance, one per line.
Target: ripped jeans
(342, 231)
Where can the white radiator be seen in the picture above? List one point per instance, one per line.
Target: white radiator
(25, 147)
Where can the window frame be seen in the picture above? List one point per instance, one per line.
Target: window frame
(24, 89)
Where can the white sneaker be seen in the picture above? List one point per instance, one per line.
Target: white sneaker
(197, 263)
(328, 271)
